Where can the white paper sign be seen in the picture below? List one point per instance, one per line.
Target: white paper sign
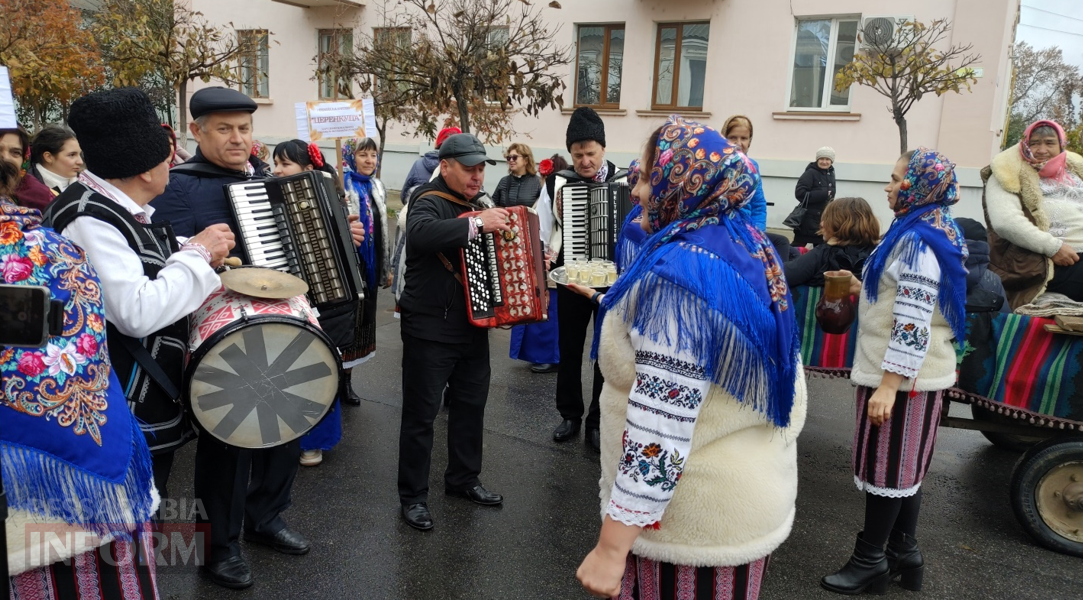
(7, 102)
(338, 119)
(301, 111)
(370, 117)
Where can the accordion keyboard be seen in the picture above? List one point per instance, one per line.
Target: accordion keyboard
(259, 226)
(575, 217)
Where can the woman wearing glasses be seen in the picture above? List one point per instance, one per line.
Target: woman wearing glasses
(522, 185)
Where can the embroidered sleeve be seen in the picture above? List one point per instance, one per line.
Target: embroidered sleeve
(662, 408)
(915, 305)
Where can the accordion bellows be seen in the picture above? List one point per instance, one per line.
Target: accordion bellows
(504, 273)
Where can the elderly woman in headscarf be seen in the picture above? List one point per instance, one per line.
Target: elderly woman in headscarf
(703, 396)
(1034, 203)
(913, 304)
(366, 197)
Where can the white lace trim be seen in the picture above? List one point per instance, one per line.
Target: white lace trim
(358, 361)
(631, 517)
(865, 486)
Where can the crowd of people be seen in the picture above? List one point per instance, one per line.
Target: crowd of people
(698, 395)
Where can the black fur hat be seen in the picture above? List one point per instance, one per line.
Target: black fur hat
(119, 132)
(585, 125)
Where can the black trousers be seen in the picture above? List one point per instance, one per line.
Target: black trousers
(572, 326)
(427, 368)
(162, 464)
(249, 486)
(1068, 281)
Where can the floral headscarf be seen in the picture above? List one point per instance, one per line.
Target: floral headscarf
(923, 219)
(1054, 168)
(707, 268)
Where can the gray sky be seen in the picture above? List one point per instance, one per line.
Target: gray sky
(1045, 23)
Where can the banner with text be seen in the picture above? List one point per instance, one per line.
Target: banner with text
(336, 119)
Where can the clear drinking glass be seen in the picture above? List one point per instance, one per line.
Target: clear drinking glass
(597, 278)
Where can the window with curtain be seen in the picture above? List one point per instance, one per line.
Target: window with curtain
(822, 47)
(680, 65)
(332, 44)
(598, 60)
(400, 36)
(254, 62)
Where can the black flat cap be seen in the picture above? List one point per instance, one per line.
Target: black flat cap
(464, 149)
(219, 99)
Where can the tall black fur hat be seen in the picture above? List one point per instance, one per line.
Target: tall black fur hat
(585, 125)
(119, 132)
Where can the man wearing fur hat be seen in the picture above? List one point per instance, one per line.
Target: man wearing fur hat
(249, 487)
(150, 281)
(586, 143)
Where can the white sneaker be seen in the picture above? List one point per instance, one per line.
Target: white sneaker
(311, 458)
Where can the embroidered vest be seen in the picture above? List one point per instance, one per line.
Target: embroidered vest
(160, 417)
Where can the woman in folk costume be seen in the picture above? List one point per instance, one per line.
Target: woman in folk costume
(704, 395)
(76, 468)
(913, 304)
(366, 197)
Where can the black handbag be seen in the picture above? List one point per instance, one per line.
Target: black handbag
(793, 221)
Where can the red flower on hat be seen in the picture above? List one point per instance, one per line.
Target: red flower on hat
(545, 167)
(316, 156)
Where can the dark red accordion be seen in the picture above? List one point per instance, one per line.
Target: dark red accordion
(504, 273)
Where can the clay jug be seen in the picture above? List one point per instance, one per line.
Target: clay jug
(835, 312)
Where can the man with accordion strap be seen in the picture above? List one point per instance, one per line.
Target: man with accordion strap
(195, 199)
(150, 283)
(440, 347)
(586, 143)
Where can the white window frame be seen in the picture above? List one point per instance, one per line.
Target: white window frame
(828, 81)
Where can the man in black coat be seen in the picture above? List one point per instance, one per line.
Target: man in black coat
(585, 139)
(440, 348)
(235, 486)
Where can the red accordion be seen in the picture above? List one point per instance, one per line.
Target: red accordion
(503, 273)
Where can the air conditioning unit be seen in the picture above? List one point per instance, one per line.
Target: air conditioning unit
(879, 30)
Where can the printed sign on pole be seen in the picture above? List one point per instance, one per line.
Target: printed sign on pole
(7, 102)
(336, 120)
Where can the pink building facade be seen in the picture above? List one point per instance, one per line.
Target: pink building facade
(636, 61)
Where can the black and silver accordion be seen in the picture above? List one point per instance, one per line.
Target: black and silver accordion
(298, 225)
(591, 218)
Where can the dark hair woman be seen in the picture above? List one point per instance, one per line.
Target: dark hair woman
(851, 230)
(55, 157)
(913, 303)
(522, 185)
(704, 395)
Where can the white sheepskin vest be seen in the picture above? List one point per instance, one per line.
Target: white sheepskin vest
(735, 502)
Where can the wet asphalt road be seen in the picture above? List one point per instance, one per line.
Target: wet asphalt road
(531, 547)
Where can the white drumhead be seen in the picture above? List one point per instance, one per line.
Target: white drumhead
(264, 385)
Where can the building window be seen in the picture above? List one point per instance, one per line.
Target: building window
(821, 48)
(680, 65)
(400, 37)
(333, 44)
(598, 60)
(255, 59)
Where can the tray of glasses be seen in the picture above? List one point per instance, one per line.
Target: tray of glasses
(598, 275)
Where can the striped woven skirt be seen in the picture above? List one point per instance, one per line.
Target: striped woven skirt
(645, 579)
(892, 459)
(116, 571)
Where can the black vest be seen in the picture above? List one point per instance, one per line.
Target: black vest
(161, 417)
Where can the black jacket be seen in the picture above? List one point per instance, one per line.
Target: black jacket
(984, 290)
(819, 185)
(809, 268)
(433, 302)
(516, 190)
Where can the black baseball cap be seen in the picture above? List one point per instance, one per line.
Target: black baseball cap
(465, 149)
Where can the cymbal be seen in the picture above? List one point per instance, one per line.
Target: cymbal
(263, 283)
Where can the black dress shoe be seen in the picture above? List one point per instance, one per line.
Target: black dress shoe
(545, 368)
(594, 439)
(350, 397)
(285, 541)
(567, 429)
(232, 573)
(417, 516)
(478, 495)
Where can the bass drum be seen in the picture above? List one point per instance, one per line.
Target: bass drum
(262, 372)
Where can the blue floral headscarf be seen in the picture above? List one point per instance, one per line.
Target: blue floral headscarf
(708, 269)
(362, 186)
(923, 220)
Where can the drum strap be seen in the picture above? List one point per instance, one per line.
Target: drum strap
(151, 366)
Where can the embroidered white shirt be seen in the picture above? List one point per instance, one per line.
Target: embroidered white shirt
(915, 305)
(665, 401)
(134, 303)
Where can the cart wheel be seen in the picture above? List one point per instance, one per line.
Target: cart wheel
(1047, 494)
(1005, 441)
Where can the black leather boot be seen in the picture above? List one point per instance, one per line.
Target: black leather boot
(867, 571)
(905, 561)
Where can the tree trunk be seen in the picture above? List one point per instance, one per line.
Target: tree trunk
(901, 122)
(464, 114)
(381, 128)
(182, 115)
